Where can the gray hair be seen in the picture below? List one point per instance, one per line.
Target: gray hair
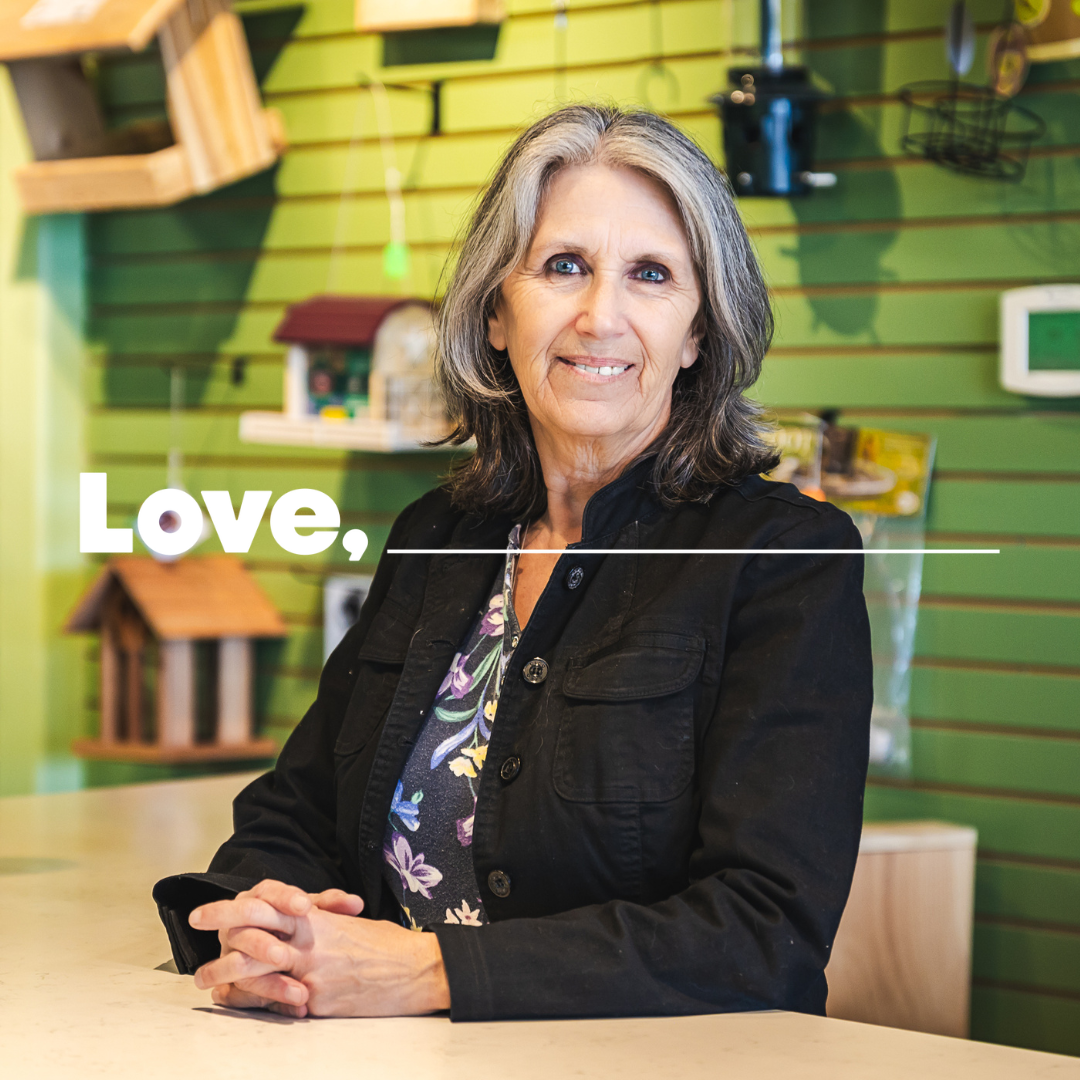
(714, 434)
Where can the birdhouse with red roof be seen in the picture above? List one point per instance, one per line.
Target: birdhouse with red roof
(177, 659)
(359, 375)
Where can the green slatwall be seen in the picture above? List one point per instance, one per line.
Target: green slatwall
(886, 290)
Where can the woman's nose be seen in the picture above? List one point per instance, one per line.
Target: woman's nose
(602, 314)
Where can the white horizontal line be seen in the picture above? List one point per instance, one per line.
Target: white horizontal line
(696, 551)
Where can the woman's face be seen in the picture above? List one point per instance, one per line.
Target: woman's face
(601, 314)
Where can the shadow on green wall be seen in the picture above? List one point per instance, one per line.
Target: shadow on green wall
(152, 312)
(847, 257)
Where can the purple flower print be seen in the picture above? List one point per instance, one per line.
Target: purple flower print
(414, 873)
(494, 619)
(458, 681)
(464, 830)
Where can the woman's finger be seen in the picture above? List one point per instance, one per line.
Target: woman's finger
(230, 968)
(288, 899)
(244, 910)
(232, 997)
(260, 945)
(276, 987)
(338, 901)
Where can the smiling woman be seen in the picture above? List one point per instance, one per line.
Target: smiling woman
(607, 785)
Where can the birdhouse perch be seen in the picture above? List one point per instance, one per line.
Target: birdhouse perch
(217, 130)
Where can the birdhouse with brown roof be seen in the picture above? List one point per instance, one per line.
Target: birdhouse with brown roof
(359, 375)
(177, 659)
(216, 131)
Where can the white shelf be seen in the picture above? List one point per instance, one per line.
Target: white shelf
(363, 433)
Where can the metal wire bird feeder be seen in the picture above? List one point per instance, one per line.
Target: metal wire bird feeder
(977, 130)
(970, 129)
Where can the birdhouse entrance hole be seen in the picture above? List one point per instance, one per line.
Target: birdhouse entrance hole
(61, 106)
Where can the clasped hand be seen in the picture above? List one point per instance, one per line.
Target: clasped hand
(303, 954)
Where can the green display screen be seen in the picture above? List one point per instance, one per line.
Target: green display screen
(1054, 341)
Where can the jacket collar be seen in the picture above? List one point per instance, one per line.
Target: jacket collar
(616, 505)
(626, 499)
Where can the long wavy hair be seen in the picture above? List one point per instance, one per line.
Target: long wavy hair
(714, 434)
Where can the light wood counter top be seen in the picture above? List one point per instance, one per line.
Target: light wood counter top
(80, 997)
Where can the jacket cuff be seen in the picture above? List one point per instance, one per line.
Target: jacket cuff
(466, 973)
(176, 898)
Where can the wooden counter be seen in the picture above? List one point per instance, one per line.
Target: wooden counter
(79, 994)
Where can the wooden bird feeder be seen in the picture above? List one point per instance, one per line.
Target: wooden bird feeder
(176, 659)
(377, 16)
(359, 375)
(217, 130)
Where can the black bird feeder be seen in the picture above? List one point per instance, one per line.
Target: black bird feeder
(769, 119)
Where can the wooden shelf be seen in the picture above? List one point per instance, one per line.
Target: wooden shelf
(149, 754)
(363, 433)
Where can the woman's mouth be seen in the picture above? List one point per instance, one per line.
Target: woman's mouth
(596, 369)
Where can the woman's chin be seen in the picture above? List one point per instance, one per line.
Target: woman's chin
(591, 421)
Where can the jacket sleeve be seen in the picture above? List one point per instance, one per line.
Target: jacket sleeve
(284, 822)
(780, 775)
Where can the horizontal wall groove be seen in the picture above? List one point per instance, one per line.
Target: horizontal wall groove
(1007, 476)
(419, 462)
(1002, 539)
(872, 349)
(976, 791)
(1054, 670)
(242, 255)
(898, 224)
(1038, 861)
(105, 359)
(1025, 988)
(995, 603)
(874, 288)
(1042, 925)
(892, 161)
(980, 728)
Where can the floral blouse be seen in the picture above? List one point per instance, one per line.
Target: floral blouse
(428, 840)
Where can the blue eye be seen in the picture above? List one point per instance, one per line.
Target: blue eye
(565, 266)
(653, 273)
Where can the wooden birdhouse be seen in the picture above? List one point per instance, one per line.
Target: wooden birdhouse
(217, 130)
(359, 375)
(387, 15)
(177, 664)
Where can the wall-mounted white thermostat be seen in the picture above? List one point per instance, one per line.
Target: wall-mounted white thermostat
(1040, 341)
(343, 597)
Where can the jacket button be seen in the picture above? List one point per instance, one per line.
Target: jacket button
(575, 577)
(510, 768)
(535, 671)
(499, 883)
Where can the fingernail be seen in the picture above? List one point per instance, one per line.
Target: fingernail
(195, 917)
(299, 904)
(294, 995)
(277, 956)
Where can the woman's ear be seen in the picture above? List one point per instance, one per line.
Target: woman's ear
(496, 330)
(692, 345)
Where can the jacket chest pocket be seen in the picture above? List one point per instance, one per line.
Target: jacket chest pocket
(626, 729)
(380, 661)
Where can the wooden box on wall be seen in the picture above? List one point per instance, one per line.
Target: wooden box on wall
(902, 955)
(217, 130)
(374, 16)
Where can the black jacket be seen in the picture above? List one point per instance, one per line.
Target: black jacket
(682, 830)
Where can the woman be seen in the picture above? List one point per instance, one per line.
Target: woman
(610, 784)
